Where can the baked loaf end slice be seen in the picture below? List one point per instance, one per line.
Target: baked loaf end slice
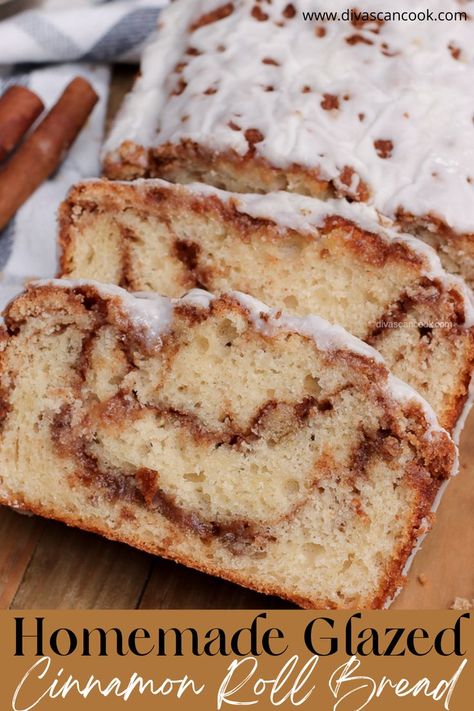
(258, 99)
(276, 452)
(298, 253)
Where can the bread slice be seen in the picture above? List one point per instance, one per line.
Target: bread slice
(298, 253)
(276, 452)
(258, 97)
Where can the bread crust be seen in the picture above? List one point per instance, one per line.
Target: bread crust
(188, 162)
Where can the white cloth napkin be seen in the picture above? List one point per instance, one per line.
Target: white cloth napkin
(92, 32)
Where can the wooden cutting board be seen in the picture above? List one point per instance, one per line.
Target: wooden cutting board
(46, 565)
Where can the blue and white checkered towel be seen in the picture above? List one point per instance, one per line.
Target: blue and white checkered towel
(73, 37)
(97, 32)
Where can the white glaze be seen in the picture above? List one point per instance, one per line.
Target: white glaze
(456, 434)
(420, 98)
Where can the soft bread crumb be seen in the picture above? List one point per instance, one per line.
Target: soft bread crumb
(293, 468)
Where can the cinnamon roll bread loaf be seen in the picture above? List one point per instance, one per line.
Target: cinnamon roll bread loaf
(294, 252)
(315, 97)
(275, 451)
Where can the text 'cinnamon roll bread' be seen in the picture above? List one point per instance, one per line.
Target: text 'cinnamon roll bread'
(290, 251)
(274, 451)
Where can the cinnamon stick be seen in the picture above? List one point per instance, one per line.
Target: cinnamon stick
(19, 109)
(44, 149)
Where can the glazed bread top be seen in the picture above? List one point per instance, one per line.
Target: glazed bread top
(381, 110)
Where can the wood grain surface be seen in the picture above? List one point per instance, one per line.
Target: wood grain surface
(46, 565)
